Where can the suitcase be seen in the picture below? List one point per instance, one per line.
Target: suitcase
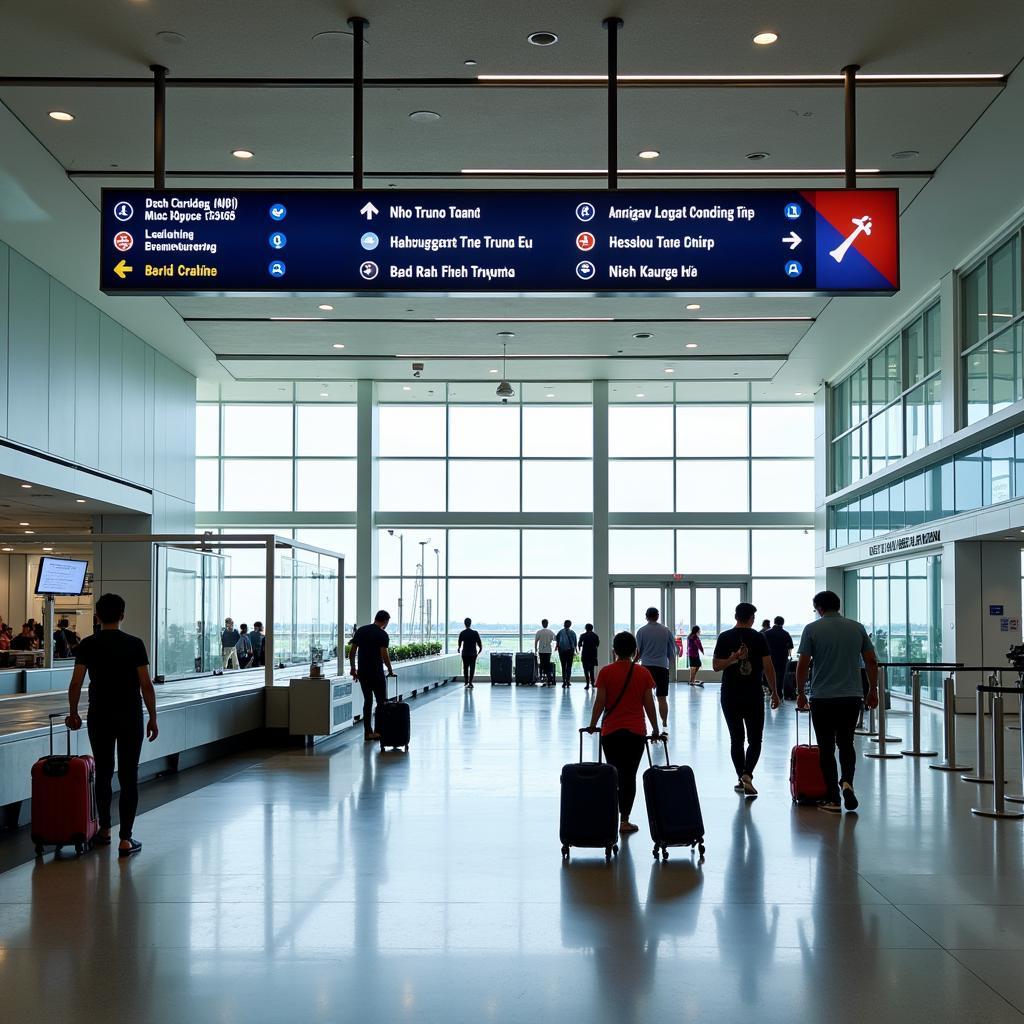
(501, 669)
(589, 815)
(806, 783)
(392, 723)
(64, 809)
(789, 681)
(673, 807)
(526, 670)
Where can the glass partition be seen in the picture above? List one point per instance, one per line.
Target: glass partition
(190, 611)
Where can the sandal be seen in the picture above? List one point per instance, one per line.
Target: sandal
(135, 847)
(628, 828)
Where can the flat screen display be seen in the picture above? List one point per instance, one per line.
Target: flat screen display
(61, 576)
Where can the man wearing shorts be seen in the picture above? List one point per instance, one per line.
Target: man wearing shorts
(656, 650)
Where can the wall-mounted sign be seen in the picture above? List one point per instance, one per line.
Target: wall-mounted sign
(995, 609)
(828, 241)
(906, 543)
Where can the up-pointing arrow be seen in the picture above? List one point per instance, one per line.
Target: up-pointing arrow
(792, 240)
(369, 210)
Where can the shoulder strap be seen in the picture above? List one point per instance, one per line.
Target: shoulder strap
(622, 692)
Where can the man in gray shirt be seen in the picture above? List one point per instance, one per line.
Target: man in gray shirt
(836, 646)
(656, 650)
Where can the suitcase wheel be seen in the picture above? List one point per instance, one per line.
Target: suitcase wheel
(79, 849)
(407, 748)
(700, 847)
(608, 854)
(565, 852)
(39, 849)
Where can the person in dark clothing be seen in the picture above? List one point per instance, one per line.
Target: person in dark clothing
(257, 639)
(566, 642)
(119, 684)
(742, 655)
(65, 640)
(25, 640)
(780, 646)
(370, 647)
(470, 646)
(589, 643)
(244, 646)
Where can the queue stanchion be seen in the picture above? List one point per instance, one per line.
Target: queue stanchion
(881, 739)
(949, 762)
(872, 728)
(1019, 799)
(915, 690)
(998, 809)
(980, 766)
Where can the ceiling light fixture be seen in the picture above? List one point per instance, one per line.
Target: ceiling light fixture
(799, 394)
(549, 395)
(323, 394)
(691, 344)
(493, 370)
(47, 549)
(766, 38)
(504, 390)
(61, 115)
(470, 63)
(682, 172)
(24, 524)
(640, 394)
(693, 305)
(11, 549)
(524, 319)
(242, 154)
(30, 531)
(167, 36)
(26, 487)
(425, 116)
(338, 344)
(295, 319)
(649, 154)
(542, 38)
(505, 334)
(405, 387)
(642, 336)
(758, 155)
(905, 154)
(668, 369)
(80, 501)
(828, 79)
(326, 307)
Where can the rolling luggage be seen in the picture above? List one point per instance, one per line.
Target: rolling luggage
(392, 723)
(501, 669)
(589, 814)
(673, 807)
(526, 670)
(806, 783)
(64, 809)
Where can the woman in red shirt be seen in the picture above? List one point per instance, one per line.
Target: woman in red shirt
(627, 691)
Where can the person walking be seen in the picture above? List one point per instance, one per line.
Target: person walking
(257, 639)
(657, 652)
(624, 696)
(566, 642)
(119, 684)
(369, 649)
(543, 642)
(588, 645)
(742, 656)
(244, 646)
(470, 647)
(229, 644)
(780, 646)
(694, 649)
(837, 646)
(766, 624)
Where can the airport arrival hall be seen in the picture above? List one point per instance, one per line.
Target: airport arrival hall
(511, 512)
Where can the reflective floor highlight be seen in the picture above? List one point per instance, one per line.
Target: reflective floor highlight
(428, 886)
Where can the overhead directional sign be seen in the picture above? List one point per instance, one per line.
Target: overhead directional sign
(827, 241)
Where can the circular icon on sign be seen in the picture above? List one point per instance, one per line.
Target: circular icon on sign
(368, 270)
(585, 241)
(277, 269)
(123, 241)
(124, 211)
(793, 211)
(585, 270)
(585, 211)
(794, 268)
(278, 211)
(278, 240)
(369, 241)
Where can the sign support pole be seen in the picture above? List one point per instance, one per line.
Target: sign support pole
(159, 125)
(850, 122)
(613, 25)
(358, 26)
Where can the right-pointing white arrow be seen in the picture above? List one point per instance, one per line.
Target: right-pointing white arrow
(369, 210)
(792, 240)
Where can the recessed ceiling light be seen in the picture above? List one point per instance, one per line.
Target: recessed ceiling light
(693, 305)
(542, 38)
(799, 394)
(640, 394)
(766, 38)
(30, 531)
(642, 335)
(61, 115)
(905, 154)
(338, 344)
(424, 116)
(80, 501)
(26, 486)
(11, 549)
(405, 387)
(691, 344)
(758, 154)
(323, 394)
(668, 369)
(24, 524)
(242, 154)
(174, 38)
(506, 334)
(549, 395)
(495, 371)
(649, 154)
(470, 63)
(47, 549)
(325, 306)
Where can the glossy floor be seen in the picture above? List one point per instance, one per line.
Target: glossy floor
(352, 886)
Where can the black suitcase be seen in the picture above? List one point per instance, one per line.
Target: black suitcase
(673, 807)
(392, 723)
(789, 681)
(589, 814)
(526, 670)
(501, 669)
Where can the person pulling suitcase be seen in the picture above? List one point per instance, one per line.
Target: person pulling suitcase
(370, 646)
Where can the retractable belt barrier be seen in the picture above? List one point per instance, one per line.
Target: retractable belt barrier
(998, 808)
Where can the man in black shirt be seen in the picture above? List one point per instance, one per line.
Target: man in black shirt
(370, 645)
(780, 646)
(118, 675)
(589, 643)
(741, 655)
(25, 640)
(470, 645)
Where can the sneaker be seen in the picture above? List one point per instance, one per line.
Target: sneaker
(701, 685)
(748, 786)
(832, 806)
(738, 788)
(850, 800)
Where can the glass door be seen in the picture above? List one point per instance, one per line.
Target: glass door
(710, 604)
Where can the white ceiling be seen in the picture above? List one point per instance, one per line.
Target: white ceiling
(50, 214)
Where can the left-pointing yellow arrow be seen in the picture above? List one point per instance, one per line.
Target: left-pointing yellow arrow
(121, 269)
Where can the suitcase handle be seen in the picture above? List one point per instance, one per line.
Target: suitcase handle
(582, 731)
(661, 738)
(58, 714)
(393, 675)
(808, 714)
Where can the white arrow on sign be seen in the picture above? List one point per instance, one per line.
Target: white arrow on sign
(792, 240)
(369, 210)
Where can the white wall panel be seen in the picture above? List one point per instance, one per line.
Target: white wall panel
(111, 352)
(87, 384)
(28, 362)
(62, 370)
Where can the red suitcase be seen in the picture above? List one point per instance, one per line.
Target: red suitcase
(64, 800)
(806, 783)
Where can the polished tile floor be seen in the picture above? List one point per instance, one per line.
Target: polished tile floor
(350, 886)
